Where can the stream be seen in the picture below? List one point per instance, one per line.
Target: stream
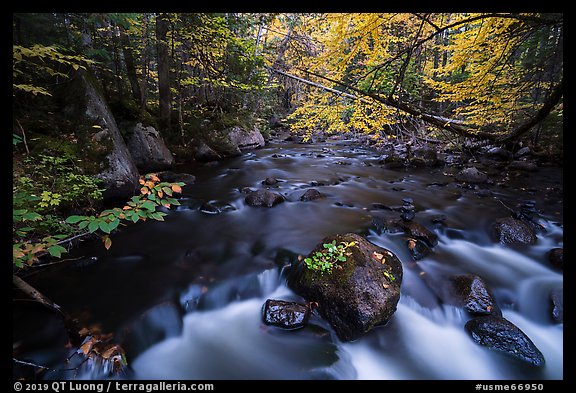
(184, 297)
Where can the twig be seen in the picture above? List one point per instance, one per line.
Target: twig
(73, 237)
(23, 136)
(36, 295)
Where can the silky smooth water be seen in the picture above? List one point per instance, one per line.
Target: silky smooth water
(184, 296)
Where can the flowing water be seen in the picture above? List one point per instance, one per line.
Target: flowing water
(184, 297)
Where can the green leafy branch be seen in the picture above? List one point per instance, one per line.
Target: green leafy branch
(330, 257)
(154, 193)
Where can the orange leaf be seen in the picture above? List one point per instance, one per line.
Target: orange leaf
(160, 194)
(144, 190)
(141, 181)
(166, 205)
(411, 244)
(87, 346)
(154, 178)
(110, 351)
(176, 188)
(37, 248)
(377, 256)
(83, 332)
(149, 184)
(107, 242)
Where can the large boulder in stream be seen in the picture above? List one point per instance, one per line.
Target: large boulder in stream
(148, 149)
(263, 198)
(501, 335)
(360, 295)
(511, 230)
(246, 139)
(104, 153)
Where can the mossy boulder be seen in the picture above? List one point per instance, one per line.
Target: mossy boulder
(360, 295)
(104, 153)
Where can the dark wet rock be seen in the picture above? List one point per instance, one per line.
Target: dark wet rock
(311, 194)
(209, 208)
(499, 153)
(418, 231)
(557, 305)
(286, 315)
(407, 210)
(246, 190)
(472, 293)
(483, 193)
(501, 335)
(471, 175)
(270, 181)
(522, 152)
(205, 153)
(381, 206)
(527, 166)
(148, 149)
(362, 294)
(424, 156)
(173, 177)
(263, 198)
(417, 249)
(393, 161)
(438, 219)
(556, 258)
(511, 230)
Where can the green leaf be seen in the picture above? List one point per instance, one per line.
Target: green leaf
(83, 224)
(148, 205)
(75, 219)
(31, 216)
(56, 251)
(93, 226)
(104, 227)
(114, 224)
(135, 217)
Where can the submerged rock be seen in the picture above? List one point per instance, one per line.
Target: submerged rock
(513, 231)
(471, 175)
(471, 292)
(311, 194)
(263, 198)
(362, 294)
(270, 181)
(417, 249)
(523, 166)
(416, 230)
(286, 315)
(501, 335)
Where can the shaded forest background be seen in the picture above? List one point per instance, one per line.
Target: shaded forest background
(456, 81)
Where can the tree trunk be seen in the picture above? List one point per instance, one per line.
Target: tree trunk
(162, 25)
(130, 66)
